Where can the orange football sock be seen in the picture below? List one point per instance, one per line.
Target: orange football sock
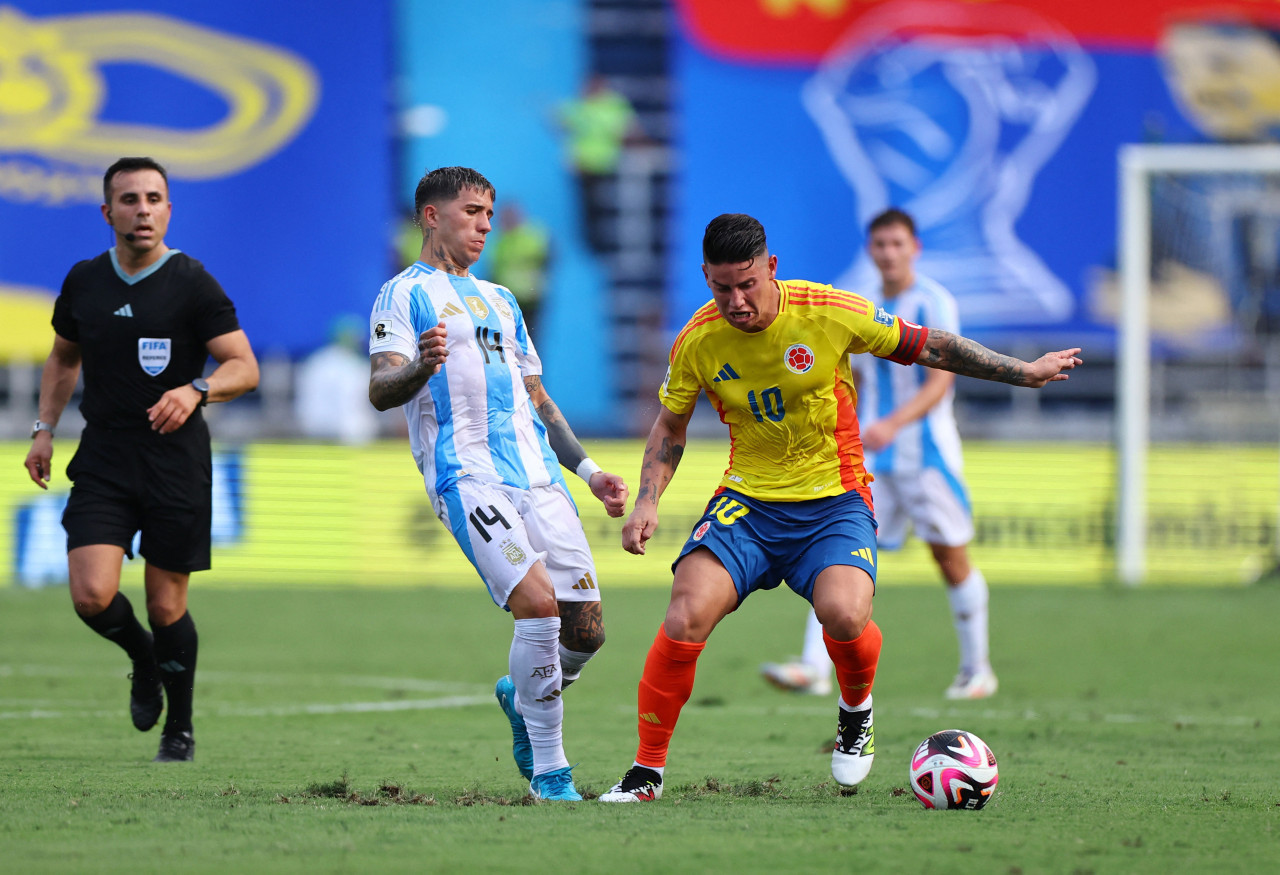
(664, 688)
(856, 662)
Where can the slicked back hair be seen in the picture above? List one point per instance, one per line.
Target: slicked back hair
(444, 184)
(129, 165)
(892, 216)
(731, 238)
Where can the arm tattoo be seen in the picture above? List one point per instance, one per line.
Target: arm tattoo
(568, 450)
(658, 468)
(581, 626)
(395, 380)
(670, 453)
(951, 352)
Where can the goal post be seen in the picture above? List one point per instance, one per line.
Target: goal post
(1138, 165)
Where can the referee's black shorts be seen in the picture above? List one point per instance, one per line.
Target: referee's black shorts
(126, 480)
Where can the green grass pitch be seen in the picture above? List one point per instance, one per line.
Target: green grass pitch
(344, 730)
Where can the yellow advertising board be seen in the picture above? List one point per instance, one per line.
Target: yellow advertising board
(313, 514)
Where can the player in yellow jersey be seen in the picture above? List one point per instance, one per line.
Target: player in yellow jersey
(794, 504)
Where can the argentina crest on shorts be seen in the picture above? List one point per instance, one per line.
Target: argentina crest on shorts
(154, 354)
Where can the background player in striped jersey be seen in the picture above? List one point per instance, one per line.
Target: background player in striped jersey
(909, 427)
(489, 441)
(794, 504)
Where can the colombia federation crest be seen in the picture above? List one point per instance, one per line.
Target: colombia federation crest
(798, 358)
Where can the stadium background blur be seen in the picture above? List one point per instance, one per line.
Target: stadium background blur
(293, 144)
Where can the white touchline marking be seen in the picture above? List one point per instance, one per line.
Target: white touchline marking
(44, 714)
(274, 711)
(464, 694)
(965, 715)
(417, 685)
(349, 707)
(377, 682)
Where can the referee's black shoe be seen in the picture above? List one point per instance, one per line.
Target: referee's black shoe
(146, 695)
(176, 747)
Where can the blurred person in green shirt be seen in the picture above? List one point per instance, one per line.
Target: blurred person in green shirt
(519, 258)
(599, 123)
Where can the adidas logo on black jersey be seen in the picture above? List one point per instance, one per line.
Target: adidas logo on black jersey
(126, 310)
(726, 373)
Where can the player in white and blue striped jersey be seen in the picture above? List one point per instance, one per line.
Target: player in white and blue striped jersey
(453, 350)
(913, 450)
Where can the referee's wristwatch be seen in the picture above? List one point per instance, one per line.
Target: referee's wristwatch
(201, 385)
(39, 427)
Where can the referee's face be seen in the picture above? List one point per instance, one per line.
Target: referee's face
(139, 206)
(745, 293)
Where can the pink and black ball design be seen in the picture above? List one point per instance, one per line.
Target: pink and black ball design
(954, 769)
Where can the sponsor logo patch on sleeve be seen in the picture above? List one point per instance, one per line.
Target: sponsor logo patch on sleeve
(883, 316)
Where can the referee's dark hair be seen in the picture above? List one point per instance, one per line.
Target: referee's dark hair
(731, 238)
(444, 184)
(892, 216)
(128, 165)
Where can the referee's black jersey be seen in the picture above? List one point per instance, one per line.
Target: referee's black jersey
(140, 336)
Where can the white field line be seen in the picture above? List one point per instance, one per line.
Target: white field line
(457, 695)
(353, 707)
(274, 711)
(960, 715)
(463, 695)
(417, 685)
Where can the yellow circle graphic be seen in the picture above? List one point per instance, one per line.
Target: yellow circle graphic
(51, 91)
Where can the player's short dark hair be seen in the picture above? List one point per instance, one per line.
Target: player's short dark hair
(445, 184)
(129, 165)
(731, 238)
(892, 216)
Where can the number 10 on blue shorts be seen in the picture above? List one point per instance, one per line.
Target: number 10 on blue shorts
(765, 543)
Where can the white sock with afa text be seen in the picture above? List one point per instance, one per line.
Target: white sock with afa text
(535, 671)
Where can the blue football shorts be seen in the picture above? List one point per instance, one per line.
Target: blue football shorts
(763, 543)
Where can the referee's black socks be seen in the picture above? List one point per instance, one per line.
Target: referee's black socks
(117, 623)
(176, 647)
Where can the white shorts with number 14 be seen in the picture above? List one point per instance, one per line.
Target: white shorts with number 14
(504, 530)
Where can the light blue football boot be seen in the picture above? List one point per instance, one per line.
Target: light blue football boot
(555, 786)
(521, 749)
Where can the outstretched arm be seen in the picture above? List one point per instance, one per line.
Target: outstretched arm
(393, 379)
(960, 355)
(662, 456)
(610, 489)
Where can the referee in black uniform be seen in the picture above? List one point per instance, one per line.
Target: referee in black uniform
(142, 319)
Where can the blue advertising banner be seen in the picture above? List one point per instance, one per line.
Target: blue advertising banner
(270, 120)
(996, 125)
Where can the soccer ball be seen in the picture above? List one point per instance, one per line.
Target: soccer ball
(953, 769)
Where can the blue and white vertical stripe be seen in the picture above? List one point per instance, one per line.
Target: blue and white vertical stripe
(474, 417)
(932, 441)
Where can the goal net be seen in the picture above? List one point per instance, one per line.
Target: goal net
(1198, 363)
